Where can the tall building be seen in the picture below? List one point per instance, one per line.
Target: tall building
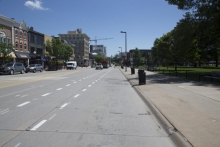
(81, 42)
(36, 46)
(7, 33)
(98, 49)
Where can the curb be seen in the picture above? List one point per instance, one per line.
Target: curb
(176, 136)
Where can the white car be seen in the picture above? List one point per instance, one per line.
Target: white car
(99, 66)
(71, 65)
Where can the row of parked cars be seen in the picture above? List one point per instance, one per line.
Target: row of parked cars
(17, 67)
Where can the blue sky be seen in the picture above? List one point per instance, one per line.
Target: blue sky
(143, 20)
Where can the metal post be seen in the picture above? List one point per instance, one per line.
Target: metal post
(125, 49)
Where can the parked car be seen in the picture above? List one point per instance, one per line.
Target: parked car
(12, 68)
(34, 67)
(99, 66)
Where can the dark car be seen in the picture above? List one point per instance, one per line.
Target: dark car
(11, 68)
(34, 67)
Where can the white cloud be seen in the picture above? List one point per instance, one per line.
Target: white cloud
(35, 5)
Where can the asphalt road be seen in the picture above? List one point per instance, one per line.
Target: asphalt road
(82, 108)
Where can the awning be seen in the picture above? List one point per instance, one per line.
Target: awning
(22, 55)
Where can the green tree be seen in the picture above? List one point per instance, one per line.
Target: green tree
(137, 58)
(5, 50)
(206, 15)
(68, 52)
(99, 58)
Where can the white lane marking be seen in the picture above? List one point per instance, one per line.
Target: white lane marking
(93, 82)
(25, 103)
(24, 95)
(84, 90)
(79, 80)
(76, 96)
(17, 95)
(34, 99)
(59, 88)
(89, 85)
(38, 125)
(74, 82)
(52, 117)
(46, 94)
(68, 84)
(83, 78)
(4, 111)
(96, 80)
(18, 145)
(64, 105)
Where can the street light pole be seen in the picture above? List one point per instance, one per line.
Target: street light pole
(125, 50)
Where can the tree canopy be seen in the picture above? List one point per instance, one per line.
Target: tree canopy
(196, 37)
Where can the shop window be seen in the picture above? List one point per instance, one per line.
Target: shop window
(25, 45)
(16, 33)
(21, 45)
(39, 51)
(16, 44)
(21, 33)
(32, 50)
(25, 35)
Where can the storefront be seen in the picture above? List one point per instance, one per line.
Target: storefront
(22, 57)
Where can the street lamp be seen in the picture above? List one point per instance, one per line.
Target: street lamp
(125, 50)
(35, 57)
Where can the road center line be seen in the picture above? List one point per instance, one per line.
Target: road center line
(4, 111)
(59, 88)
(64, 105)
(76, 96)
(38, 125)
(25, 103)
(52, 117)
(46, 94)
(24, 95)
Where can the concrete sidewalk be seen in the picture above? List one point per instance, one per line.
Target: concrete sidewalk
(189, 111)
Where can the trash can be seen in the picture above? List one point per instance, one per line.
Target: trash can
(132, 71)
(141, 77)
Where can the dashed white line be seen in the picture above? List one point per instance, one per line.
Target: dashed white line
(46, 94)
(84, 90)
(74, 82)
(89, 85)
(64, 105)
(24, 95)
(93, 82)
(18, 145)
(25, 103)
(38, 125)
(52, 117)
(4, 111)
(68, 84)
(34, 99)
(59, 88)
(76, 96)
